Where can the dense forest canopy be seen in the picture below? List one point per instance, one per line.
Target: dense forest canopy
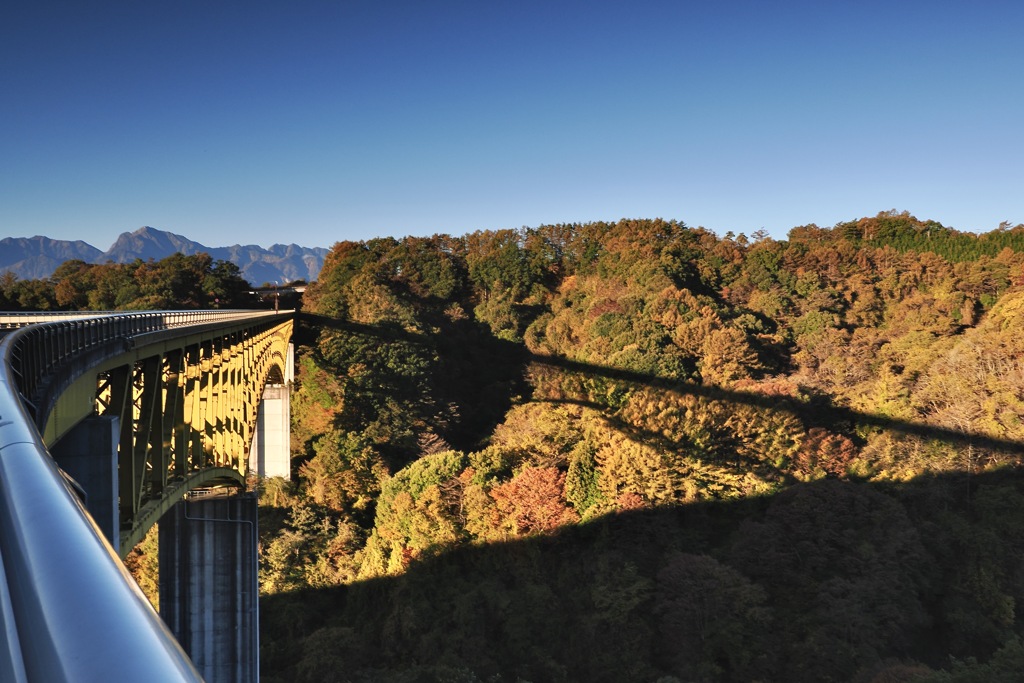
(178, 281)
(638, 451)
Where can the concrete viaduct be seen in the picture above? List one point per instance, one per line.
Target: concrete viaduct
(109, 424)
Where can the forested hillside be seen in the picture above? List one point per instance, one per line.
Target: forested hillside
(642, 452)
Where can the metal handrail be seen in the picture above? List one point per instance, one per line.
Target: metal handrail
(69, 610)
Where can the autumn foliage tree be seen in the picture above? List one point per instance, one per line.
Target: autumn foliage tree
(534, 501)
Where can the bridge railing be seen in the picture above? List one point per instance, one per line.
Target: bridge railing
(39, 349)
(69, 611)
(172, 318)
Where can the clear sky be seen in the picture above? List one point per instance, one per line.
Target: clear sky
(314, 121)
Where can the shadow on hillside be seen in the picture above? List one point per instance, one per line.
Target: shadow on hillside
(818, 411)
(829, 580)
(473, 381)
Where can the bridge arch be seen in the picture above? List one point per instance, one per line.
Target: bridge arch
(186, 399)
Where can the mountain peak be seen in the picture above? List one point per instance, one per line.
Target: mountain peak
(38, 257)
(150, 243)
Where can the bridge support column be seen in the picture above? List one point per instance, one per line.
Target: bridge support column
(270, 454)
(88, 454)
(209, 585)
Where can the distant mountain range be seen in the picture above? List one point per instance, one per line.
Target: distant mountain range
(33, 258)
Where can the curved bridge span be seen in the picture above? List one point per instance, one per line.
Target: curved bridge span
(106, 421)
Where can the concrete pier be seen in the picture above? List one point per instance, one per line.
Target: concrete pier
(270, 455)
(88, 454)
(209, 584)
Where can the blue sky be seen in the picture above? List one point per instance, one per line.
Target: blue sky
(311, 121)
